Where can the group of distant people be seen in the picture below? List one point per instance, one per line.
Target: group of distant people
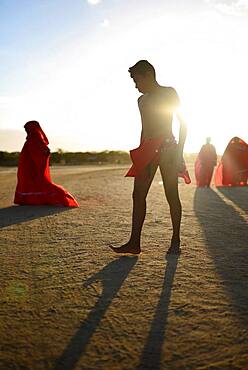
(232, 169)
(158, 148)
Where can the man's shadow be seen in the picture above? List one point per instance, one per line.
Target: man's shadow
(112, 277)
(237, 194)
(226, 234)
(16, 214)
(152, 352)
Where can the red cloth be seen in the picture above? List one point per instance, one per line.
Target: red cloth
(204, 165)
(233, 168)
(149, 152)
(34, 186)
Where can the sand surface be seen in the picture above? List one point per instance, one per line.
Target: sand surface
(67, 302)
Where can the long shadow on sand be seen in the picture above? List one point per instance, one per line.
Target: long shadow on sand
(226, 235)
(112, 277)
(16, 214)
(151, 356)
(238, 195)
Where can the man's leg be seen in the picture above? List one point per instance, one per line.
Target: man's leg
(141, 188)
(170, 180)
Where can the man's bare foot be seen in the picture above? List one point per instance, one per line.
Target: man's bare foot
(127, 248)
(174, 247)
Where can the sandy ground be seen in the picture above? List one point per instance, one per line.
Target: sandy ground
(67, 302)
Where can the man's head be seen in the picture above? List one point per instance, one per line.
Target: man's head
(144, 75)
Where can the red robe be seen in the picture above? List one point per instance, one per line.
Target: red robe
(204, 165)
(149, 152)
(34, 186)
(233, 168)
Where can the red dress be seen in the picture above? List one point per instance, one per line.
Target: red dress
(204, 165)
(149, 152)
(34, 185)
(233, 168)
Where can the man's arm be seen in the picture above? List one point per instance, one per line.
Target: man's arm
(181, 141)
(182, 133)
(141, 135)
(183, 128)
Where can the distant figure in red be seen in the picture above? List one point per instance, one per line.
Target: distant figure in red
(34, 186)
(205, 163)
(233, 169)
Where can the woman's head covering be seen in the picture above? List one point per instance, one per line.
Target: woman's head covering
(236, 140)
(33, 129)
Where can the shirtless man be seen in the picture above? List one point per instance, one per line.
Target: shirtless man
(157, 104)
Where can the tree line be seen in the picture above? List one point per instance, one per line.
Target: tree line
(61, 157)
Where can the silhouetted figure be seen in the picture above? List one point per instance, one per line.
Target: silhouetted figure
(158, 147)
(233, 168)
(34, 185)
(205, 163)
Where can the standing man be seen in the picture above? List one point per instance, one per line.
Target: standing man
(158, 148)
(205, 163)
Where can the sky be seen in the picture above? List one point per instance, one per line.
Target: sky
(65, 64)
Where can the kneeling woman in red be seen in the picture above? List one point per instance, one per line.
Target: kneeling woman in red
(34, 186)
(233, 168)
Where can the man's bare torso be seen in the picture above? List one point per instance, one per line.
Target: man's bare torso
(156, 109)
